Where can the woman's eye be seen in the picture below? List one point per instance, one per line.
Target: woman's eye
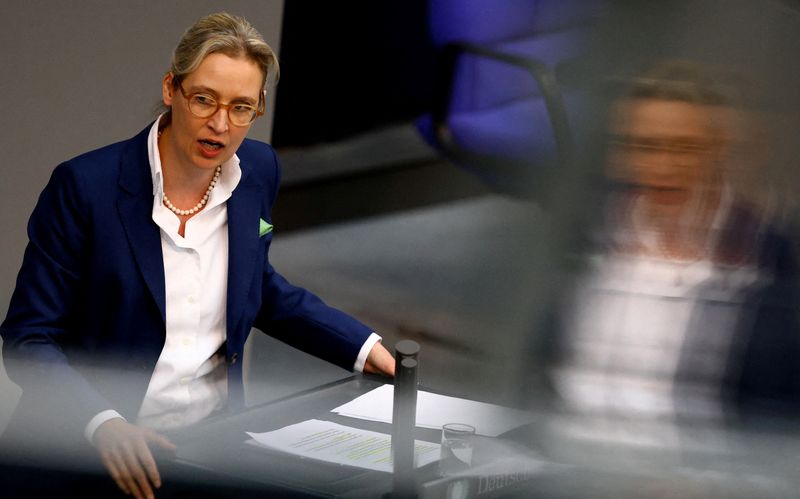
(205, 100)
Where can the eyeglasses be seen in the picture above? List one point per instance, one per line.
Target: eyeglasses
(204, 105)
(647, 148)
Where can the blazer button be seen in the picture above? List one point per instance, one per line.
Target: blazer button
(234, 358)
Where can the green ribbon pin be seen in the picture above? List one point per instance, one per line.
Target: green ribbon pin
(263, 227)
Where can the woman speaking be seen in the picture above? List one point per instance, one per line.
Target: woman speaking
(148, 264)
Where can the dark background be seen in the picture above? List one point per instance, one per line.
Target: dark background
(351, 67)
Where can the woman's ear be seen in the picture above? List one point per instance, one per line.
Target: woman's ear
(167, 89)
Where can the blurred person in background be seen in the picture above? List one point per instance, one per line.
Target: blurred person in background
(686, 311)
(148, 265)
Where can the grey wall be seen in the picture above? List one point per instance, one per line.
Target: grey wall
(76, 76)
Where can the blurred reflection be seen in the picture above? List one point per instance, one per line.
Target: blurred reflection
(685, 312)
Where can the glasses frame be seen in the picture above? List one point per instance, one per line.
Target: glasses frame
(259, 109)
(648, 149)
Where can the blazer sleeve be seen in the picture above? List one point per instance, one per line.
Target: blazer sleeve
(38, 324)
(300, 318)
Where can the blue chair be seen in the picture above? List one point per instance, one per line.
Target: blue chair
(499, 109)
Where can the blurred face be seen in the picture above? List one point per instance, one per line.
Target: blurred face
(207, 142)
(665, 149)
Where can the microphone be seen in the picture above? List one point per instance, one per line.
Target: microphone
(404, 418)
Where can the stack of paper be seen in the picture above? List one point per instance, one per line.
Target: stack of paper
(334, 443)
(434, 410)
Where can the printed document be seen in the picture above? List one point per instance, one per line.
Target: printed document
(335, 443)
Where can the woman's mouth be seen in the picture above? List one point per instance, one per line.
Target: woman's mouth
(211, 144)
(210, 148)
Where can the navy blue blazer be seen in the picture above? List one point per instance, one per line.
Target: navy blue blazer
(90, 294)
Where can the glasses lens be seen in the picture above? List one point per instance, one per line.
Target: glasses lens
(202, 105)
(241, 115)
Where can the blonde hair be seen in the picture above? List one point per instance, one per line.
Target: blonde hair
(685, 81)
(230, 35)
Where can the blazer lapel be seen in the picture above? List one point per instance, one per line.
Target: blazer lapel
(244, 209)
(135, 205)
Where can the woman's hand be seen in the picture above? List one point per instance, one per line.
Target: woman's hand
(379, 361)
(124, 450)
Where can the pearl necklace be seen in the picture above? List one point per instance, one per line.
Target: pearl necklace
(198, 206)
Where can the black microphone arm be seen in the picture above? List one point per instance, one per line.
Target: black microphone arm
(404, 418)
